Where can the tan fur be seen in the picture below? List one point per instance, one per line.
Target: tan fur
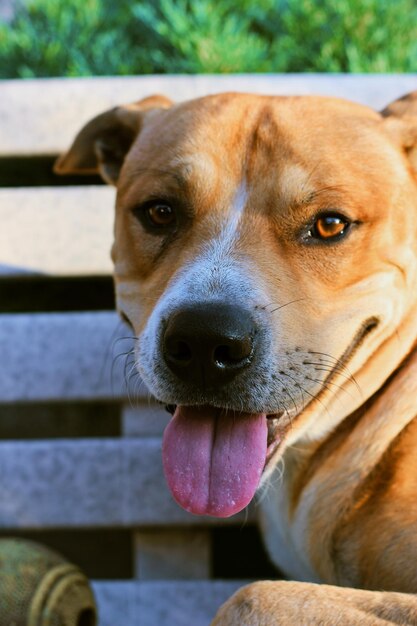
(348, 507)
(304, 604)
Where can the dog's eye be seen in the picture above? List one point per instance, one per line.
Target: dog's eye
(160, 215)
(329, 226)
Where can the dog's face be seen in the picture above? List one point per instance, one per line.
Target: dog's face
(265, 249)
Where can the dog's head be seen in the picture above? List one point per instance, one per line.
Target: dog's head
(265, 255)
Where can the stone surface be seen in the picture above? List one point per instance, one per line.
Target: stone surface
(161, 603)
(56, 231)
(64, 356)
(88, 482)
(172, 554)
(55, 109)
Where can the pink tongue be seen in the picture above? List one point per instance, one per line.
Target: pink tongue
(213, 460)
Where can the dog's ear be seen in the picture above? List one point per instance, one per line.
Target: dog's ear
(400, 120)
(101, 145)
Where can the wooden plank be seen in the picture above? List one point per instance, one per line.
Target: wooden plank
(41, 116)
(56, 231)
(161, 603)
(89, 483)
(65, 356)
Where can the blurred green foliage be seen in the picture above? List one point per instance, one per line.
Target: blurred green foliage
(101, 37)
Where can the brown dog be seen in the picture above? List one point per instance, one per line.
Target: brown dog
(266, 256)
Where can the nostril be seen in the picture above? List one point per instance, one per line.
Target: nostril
(223, 356)
(233, 354)
(179, 351)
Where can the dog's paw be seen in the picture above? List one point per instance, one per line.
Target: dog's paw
(247, 607)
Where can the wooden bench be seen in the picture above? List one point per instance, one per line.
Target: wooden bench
(80, 460)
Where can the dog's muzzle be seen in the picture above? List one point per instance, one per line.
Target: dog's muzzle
(209, 344)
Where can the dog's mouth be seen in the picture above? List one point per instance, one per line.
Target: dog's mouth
(213, 459)
(277, 429)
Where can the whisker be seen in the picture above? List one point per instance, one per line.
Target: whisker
(286, 304)
(342, 366)
(132, 337)
(294, 403)
(128, 389)
(115, 359)
(297, 384)
(348, 378)
(333, 364)
(314, 398)
(329, 382)
(139, 384)
(329, 367)
(265, 306)
(127, 361)
(332, 359)
(132, 371)
(108, 351)
(118, 356)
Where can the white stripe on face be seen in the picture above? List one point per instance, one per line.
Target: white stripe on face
(224, 243)
(217, 273)
(240, 199)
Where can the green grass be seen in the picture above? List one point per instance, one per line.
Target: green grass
(100, 37)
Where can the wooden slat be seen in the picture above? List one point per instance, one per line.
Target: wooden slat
(56, 231)
(41, 116)
(87, 482)
(64, 356)
(161, 603)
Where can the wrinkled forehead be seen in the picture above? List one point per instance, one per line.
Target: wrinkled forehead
(289, 144)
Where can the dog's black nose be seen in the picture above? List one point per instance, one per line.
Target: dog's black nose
(209, 344)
